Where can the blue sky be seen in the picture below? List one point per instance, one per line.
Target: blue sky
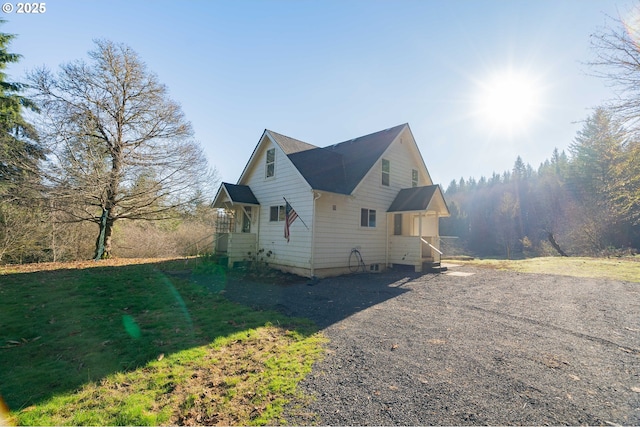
(328, 71)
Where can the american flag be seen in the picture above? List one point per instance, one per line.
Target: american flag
(290, 216)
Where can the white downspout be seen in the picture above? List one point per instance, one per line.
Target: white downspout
(316, 196)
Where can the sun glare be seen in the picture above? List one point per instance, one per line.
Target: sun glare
(508, 102)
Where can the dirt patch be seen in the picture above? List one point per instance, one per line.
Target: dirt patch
(77, 265)
(221, 392)
(495, 347)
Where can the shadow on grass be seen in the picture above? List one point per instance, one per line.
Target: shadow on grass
(63, 328)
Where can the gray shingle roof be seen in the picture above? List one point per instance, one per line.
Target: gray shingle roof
(413, 199)
(290, 145)
(339, 168)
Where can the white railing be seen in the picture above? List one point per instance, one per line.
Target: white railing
(432, 247)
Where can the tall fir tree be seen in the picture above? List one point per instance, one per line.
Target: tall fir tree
(19, 149)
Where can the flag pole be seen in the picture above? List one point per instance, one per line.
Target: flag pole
(301, 220)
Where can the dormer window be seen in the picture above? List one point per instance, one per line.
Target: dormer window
(386, 172)
(270, 164)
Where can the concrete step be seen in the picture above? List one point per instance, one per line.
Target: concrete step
(433, 267)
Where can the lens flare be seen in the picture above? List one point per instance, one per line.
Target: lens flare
(631, 22)
(131, 327)
(508, 102)
(5, 417)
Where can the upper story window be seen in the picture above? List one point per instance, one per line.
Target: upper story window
(386, 172)
(271, 162)
(414, 178)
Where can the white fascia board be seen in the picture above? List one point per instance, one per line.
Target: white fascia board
(415, 145)
(253, 155)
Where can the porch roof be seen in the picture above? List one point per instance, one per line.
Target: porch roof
(419, 199)
(237, 194)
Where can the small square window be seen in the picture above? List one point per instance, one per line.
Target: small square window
(273, 213)
(276, 213)
(367, 217)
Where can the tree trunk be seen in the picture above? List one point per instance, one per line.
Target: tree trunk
(103, 242)
(555, 244)
(107, 239)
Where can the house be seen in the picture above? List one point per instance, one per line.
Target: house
(367, 203)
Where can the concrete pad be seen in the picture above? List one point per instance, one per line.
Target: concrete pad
(449, 265)
(458, 273)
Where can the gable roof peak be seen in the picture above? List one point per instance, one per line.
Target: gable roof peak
(339, 168)
(392, 131)
(287, 144)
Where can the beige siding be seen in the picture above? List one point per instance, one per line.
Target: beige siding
(404, 157)
(404, 250)
(429, 225)
(338, 231)
(239, 246)
(286, 182)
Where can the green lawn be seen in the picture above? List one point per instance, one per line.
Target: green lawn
(624, 268)
(144, 345)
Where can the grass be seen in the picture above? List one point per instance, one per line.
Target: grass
(624, 268)
(143, 345)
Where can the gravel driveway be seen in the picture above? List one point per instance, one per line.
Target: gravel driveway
(492, 347)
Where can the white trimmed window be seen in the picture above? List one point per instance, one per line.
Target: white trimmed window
(276, 213)
(367, 217)
(414, 178)
(386, 172)
(270, 165)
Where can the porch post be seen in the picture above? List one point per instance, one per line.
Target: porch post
(419, 267)
(437, 240)
(258, 229)
(386, 246)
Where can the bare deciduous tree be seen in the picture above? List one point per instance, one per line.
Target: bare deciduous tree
(617, 51)
(120, 148)
(617, 61)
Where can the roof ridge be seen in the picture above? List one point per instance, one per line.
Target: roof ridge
(290, 145)
(370, 134)
(341, 167)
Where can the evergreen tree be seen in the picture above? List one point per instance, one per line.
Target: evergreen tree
(452, 188)
(19, 150)
(627, 185)
(595, 152)
(595, 156)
